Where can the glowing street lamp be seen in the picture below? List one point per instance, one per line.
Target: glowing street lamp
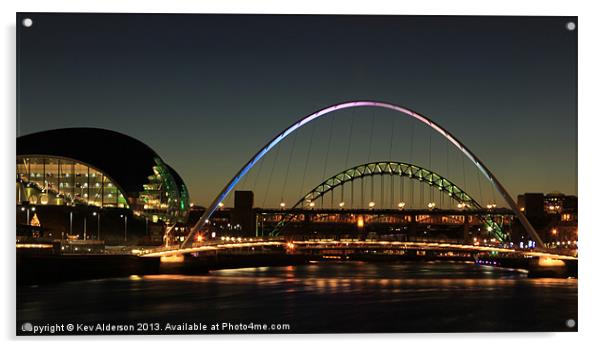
(431, 205)
(371, 204)
(401, 205)
(282, 205)
(125, 226)
(312, 204)
(341, 204)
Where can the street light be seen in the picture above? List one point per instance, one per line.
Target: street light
(371, 204)
(23, 208)
(97, 214)
(125, 227)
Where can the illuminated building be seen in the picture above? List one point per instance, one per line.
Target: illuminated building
(558, 203)
(98, 168)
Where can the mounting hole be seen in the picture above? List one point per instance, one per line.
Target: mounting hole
(571, 26)
(570, 323)
(27, 22)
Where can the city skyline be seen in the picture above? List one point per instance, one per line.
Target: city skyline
(508, 90)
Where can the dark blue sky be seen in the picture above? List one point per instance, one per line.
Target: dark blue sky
(207, 91)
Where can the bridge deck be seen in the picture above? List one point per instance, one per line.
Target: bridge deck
(336, 244)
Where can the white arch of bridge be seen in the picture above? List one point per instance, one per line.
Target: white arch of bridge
(355, 104)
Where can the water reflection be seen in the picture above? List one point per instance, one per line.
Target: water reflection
(322, 297)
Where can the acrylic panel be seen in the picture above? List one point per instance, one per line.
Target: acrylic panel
(248, 174)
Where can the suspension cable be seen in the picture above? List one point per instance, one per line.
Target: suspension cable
(463, 172)
(492, 194)
(350, 138)
(328, 148)
(311, 141)
(447, 173)
(412, 203)
(288, 166)
(431, 189)
(371, 136)
(391, 199)
(479, 181)
(267, 189)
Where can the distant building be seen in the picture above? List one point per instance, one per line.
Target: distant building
(538, 205)
(558, 203)
(553, 215)
(243, 214)
(532, 205)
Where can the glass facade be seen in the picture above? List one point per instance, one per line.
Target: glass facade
(162, 197)
(46, 180)
(59, 181)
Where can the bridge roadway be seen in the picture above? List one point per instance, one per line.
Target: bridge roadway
(386, 211)
(292, 246)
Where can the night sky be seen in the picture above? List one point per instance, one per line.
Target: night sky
(207, 91)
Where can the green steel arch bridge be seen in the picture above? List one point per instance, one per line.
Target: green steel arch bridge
(349, 176)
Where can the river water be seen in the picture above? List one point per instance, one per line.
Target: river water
(320, 297)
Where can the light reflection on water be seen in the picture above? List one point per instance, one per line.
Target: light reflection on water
(322, 297)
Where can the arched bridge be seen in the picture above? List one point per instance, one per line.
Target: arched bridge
(204, 219)
(390, 168)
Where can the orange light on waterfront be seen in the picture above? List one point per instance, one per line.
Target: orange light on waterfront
(554, 231)
(178, 258)
(360, 222)
(550, 262)
(199, 238)
(312, 204)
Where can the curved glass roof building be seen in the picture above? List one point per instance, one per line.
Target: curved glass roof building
(98, 167)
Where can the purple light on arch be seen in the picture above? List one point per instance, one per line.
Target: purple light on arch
(354, 104)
